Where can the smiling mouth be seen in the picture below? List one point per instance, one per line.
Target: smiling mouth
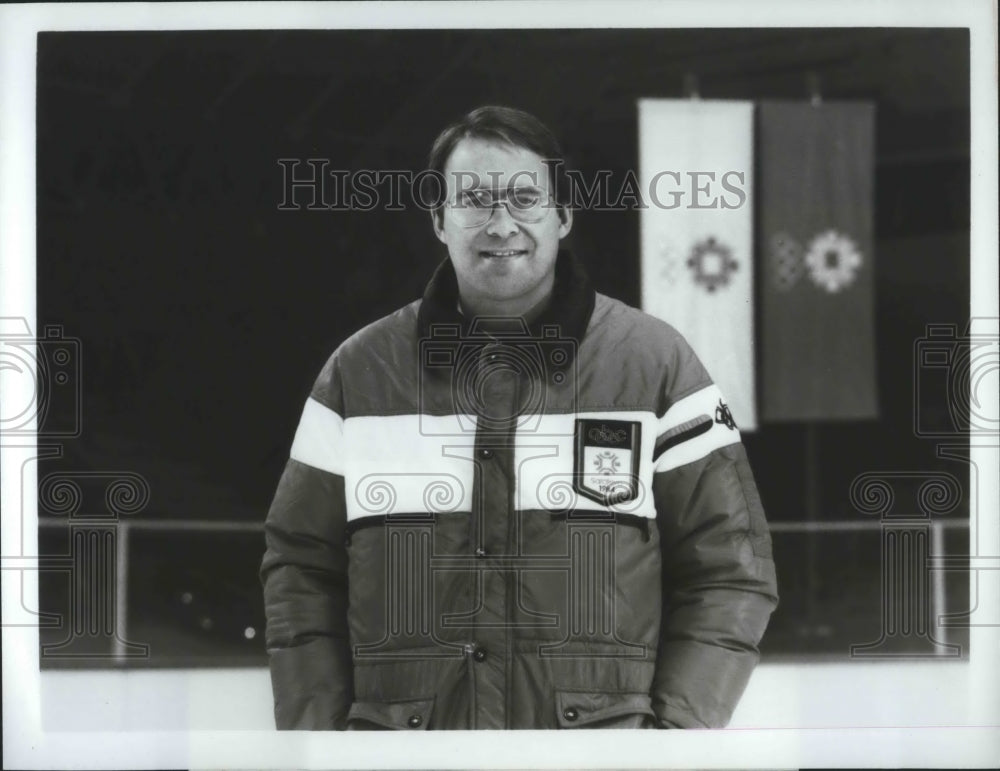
(500, 253)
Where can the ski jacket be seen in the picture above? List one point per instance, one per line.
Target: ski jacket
(485, 524)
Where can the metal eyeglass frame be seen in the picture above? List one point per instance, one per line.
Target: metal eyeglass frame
(515, 213)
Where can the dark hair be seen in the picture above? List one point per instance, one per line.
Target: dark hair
(500, 124)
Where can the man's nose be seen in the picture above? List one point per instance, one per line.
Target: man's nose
(501, 224)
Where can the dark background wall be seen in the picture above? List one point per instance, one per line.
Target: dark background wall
(204, 312)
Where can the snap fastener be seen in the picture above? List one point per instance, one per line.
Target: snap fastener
(479, 654)
(570, 713)
(480, 552)
(486, 453)
(414, 721)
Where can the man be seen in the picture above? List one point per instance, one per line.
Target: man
(514, 503)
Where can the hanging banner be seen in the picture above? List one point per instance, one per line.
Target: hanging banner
(817, 289)
(696, 168)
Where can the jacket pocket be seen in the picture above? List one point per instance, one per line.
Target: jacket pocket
(409, 715)
(602, 709)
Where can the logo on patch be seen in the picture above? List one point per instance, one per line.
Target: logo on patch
(606, 460)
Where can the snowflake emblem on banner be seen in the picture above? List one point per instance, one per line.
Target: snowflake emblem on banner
(833, 261)
(712, 263)
(786, 261)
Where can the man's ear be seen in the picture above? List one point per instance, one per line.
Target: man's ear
(566, 220)
(437, 222)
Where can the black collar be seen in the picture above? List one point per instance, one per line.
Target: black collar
(569, 309)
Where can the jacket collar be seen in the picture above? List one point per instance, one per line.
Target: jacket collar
(569, 309)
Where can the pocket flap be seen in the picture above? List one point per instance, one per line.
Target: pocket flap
(410, 715)
(578, 709)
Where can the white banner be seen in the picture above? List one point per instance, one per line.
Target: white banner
(696, 170)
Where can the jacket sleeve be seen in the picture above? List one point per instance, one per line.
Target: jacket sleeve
(719, 586)
(304, 573)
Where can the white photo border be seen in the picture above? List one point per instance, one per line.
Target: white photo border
(940, 737)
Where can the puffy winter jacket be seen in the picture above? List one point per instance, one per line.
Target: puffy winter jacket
(486, 525)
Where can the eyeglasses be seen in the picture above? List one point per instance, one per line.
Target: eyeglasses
(472, 208)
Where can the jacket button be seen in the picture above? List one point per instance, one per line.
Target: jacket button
(414, 721)
(486, 453)
(570, 713)
(479, 654)
(480, 552)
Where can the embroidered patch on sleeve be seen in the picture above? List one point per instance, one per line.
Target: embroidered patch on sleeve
(606, 460)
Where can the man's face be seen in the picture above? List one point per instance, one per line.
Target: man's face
(503, 264)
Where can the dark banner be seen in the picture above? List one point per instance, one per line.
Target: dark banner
(817, 294)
